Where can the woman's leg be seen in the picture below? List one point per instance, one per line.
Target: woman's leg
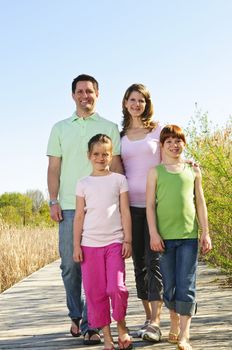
(138, 255)
(154, 278)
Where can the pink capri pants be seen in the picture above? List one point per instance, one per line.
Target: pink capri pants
(103, 275)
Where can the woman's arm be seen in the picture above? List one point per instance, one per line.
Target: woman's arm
(116, 165)
(126, 225)
(78, 228)
(205, 241)
(156, 241)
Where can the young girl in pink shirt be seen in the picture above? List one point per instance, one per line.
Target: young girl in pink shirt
(102, 240)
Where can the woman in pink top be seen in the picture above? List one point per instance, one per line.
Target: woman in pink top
(140, 151)
(102, 240)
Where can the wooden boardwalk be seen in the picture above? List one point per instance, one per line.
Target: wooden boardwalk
(33, 314)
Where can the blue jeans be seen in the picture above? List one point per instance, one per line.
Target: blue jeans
(71, 271)
(178, 266)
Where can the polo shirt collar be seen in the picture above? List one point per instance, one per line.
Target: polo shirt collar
(94, 116)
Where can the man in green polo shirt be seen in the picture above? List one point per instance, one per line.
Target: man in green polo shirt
(68, 162)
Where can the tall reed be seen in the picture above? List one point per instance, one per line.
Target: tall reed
(24, 251)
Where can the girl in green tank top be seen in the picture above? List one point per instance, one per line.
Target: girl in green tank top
(175, 208)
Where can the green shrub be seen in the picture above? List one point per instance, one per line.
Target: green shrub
(212, 150)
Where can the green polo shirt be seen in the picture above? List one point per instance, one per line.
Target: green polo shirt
(69, 140)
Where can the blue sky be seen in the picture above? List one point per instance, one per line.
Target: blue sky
(181, 50)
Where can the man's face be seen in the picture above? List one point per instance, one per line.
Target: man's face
(85, 97)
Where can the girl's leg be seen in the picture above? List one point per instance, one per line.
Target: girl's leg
(115, 276)
(95, 286)
(183, 339)
(186, 266)
(174, 328)
(122, 331)
(186, 263)
(116, 289)
(108, 339)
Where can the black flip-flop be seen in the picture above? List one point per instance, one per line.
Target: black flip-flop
(90, 341)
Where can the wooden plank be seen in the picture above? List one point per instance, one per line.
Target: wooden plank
(33, 314)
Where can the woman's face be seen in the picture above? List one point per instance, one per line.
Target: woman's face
(135, 104)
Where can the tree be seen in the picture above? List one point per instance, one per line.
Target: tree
(37, 198)
(22, 204)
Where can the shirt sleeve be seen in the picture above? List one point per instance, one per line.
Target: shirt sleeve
(123, 185)
(80, 189)
(54, 145)
(115, 137)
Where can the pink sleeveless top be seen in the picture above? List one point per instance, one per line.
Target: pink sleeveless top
(138, 157)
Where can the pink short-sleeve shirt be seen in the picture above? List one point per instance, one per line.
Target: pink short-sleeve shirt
(102, 223)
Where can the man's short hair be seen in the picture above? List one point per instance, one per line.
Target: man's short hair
(84, 77)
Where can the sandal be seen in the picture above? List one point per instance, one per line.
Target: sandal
(77, 323)
(91, 333)
(173, 338)
(184, 345)
(125, 344)
(152, 333)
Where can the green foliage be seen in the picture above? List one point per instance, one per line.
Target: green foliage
(212, 150)
(10, 215)
(28, 209)
(20, 202)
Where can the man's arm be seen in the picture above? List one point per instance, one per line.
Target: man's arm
(53, 179)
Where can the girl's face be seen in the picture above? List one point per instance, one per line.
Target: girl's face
(100, 156)
(173, 147)
(135, 104)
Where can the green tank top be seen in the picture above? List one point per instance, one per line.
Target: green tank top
(176, 213)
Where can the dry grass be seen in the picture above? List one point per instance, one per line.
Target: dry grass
(24, 251)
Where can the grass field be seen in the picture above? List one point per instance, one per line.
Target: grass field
(24, 251)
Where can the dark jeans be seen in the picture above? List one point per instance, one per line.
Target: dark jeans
(146, 262)
(178, 264)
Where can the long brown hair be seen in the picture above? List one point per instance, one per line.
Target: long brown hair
(146, 117)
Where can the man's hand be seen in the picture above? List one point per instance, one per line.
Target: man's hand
(55, 212)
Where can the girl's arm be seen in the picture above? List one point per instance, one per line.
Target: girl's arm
(156, 241)
(126, 225)
(205, 241)
(78, 228)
